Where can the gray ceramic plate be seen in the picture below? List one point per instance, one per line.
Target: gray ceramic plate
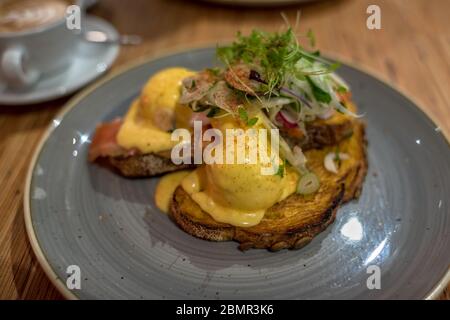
(84, 215)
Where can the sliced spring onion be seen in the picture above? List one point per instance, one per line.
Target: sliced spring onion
(309, 183)
(329, 161)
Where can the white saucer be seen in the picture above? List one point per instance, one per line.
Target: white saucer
(92, 60)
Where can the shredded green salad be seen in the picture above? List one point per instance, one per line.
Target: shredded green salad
(288, 70)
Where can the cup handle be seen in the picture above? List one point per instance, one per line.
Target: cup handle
(14, 70)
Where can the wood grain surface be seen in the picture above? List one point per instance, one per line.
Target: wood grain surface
(412, 50)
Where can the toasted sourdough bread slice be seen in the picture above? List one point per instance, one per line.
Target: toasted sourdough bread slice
(105, 150)
(293, 222)
(144, 165)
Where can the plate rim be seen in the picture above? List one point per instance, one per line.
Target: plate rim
(434, 293)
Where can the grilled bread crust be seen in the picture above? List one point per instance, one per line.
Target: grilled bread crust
(146, 165)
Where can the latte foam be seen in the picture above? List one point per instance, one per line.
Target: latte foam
(22, 15)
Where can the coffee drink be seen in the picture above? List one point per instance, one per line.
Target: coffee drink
(24, 15)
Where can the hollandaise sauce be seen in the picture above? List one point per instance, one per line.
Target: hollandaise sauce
(160, 95)
(147, 124)
(240, 203)
(166, 187)
(140, 133)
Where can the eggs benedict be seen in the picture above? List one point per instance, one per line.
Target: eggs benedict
(139, 144)
(271, 193)
(268, 81)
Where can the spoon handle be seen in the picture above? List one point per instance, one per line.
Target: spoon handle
(101, 37)
(130, 40)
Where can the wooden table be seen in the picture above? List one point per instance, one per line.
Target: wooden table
(411, 50)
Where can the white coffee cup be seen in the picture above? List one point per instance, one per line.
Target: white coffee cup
(26, 56)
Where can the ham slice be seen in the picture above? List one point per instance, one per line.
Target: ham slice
(104, 143)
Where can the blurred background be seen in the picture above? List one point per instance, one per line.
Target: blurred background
(411, 50)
